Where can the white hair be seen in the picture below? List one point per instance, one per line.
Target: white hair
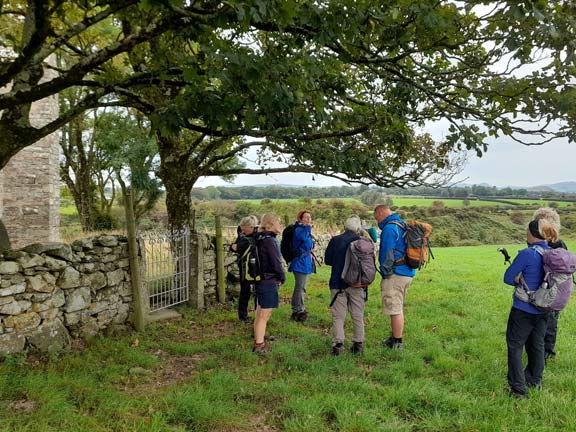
(249, 221)
(353, 223)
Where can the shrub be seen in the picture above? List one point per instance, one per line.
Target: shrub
(517, 218)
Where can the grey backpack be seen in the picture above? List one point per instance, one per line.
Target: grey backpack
(556, 288)
(359, 265)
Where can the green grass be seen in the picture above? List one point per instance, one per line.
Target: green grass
(202, 376)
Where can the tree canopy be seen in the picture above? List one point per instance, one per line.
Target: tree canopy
(344, 88)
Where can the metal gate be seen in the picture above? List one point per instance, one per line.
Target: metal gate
(166, 267)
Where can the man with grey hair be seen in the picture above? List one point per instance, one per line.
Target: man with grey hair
(345, 298)
(245, 239)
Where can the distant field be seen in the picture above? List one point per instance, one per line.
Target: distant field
(406, 201)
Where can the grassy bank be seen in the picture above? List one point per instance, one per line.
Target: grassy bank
(198, 374)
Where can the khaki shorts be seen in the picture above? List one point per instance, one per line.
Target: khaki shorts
(394, 291)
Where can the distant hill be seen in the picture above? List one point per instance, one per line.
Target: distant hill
(568, 187)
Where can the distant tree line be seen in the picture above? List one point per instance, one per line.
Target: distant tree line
(278, 192)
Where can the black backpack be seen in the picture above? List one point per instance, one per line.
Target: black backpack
(250, 262)
(286, 243)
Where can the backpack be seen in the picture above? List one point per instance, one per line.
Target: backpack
(250, 262)
(359, 264)
(555, 290)
(286, 247)
(417, 238)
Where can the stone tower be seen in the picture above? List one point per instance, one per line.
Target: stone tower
(30, 184)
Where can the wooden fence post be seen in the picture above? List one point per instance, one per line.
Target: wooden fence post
(139, 292)
(221, 287)
(196, 278)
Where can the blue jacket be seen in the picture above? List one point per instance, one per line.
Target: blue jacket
(392, 248)
(529, 263)
(336, 255)
(303, 244)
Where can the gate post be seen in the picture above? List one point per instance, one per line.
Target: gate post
(221, 287)
(139, 292)
(196, 274)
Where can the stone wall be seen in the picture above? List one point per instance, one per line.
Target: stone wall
(30, 183)
(51, 293)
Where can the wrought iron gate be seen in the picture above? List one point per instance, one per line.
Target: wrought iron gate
(166, 267)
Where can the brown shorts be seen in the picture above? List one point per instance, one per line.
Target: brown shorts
(394, 291)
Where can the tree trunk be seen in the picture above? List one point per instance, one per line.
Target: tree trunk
(178, 180)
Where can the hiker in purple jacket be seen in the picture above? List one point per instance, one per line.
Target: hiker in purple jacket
(551, 216)
(526, 323)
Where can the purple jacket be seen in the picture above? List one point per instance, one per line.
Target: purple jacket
(270, 258)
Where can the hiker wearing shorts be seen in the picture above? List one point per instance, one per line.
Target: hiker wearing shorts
(246, 231)
(551, 216)
(272, 276)
(396, 275)
(526, 323)
(343, 297)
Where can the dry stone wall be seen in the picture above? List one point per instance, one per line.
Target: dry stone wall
(54, 292)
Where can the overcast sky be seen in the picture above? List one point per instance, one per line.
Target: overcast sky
(506, 164)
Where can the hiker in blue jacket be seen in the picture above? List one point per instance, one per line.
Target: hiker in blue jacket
(303, 263)
(551, 216)
(396, 275)
(526, 323)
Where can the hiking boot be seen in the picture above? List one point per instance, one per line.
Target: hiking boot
(388, 342)
(299, 316)
(393, 344)
(246, 320)
(357, 348)
(517, 393)
(262, 349)
(397, 346)
(337, 349)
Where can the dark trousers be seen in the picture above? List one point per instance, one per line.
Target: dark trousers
(551, 332)
(525, 330)
(244, 299)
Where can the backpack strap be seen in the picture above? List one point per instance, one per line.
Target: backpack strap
(402, 260)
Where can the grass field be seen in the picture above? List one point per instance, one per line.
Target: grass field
(198, 374)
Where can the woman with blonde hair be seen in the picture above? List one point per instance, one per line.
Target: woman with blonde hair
(551, 216)
(271, 277)
(526, 323)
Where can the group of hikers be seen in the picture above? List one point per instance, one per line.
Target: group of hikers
(529, 327)
(396, 275)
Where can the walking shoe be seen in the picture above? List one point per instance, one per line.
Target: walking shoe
(516, 393)
(337, 349)
(393, 344)
(299, 316)
(357, 348)
(388, 342)
(261, 349)
(397, 346)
